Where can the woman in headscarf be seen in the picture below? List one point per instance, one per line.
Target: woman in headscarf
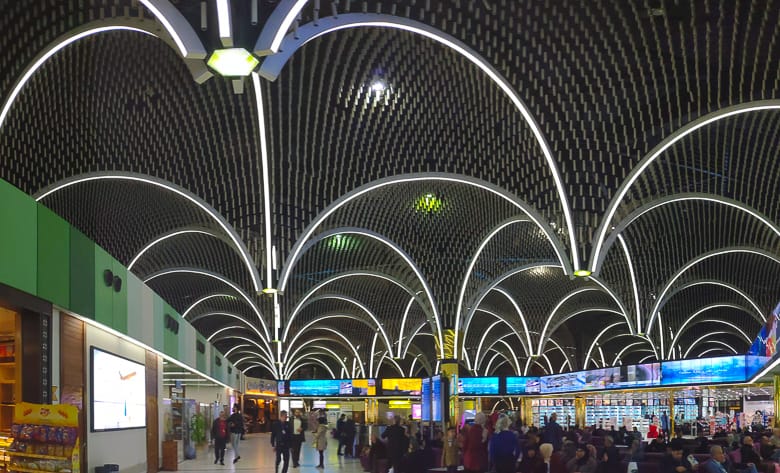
(475, 444)
(582, 462)
(321, 439)
(503, 446)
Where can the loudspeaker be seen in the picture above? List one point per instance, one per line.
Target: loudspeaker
(117, 284)
(108, 277)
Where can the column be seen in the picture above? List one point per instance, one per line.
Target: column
(449, 370)
(776, 399)
(671, 414)
(579, 412)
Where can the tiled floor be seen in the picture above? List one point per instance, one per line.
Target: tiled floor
(257, 455)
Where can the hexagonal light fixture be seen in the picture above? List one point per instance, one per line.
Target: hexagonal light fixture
(233, 62)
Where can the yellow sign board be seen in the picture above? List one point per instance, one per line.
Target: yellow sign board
(59, 415)
(398, 386)
(365, 384)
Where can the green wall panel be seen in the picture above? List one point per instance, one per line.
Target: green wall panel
(159, 325)
(104, 295)
(120, 298)
(53, 257)
(18, 239)
(82, 274)
(200, 358)
(170, 340)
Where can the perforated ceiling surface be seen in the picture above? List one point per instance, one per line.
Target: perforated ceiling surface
(436, 175)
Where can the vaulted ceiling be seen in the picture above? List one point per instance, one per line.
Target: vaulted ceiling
(404, 172)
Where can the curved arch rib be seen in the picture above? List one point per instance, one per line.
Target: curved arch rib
(166, 236)
(656, 308)
(319, 319)
(756, 315)
(500, 319)
(346, 340)
(185, 194)
(315, 350)
(658, 151)
(596, 341)
(314, 361)
(400, 252)
(552, 314)
(273, 65)
(203, 299)
(703, 337)
(226, 281)
(684, 325)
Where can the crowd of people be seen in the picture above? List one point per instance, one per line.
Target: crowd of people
(498, 444)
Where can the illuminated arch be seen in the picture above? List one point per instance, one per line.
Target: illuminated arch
(240, 319)
(555, 310)
(596, 341)
(682, 328)
(500, 319)
(620, 353)
(272, 66)
(185, 194)
(495, 231)
(349, 274)
(484, 292)
(757, 314)
(313, 350)
(314, 361)
(703, 337)
(319, 319)
(226, 281)
(656, 308)
(356, 303)
(657, 151)
(238, 337)
(340, 336)
(173, 234)
(390, 244)
(683, 197)
(204, 299)
(571, 315)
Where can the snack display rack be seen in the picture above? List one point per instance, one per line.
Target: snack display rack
(45, 439)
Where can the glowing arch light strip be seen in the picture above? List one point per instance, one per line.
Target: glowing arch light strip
(199, 301)
(540, 350)
(325, 350)
(620, 353)
(218, 278)
(403, 324)
(633, 280)
(349, 343)
(125, 176)
(310, 361)
(596, 341)
(319, 319)
(682, 327)
(656, 308)
(163, 238)
(240, 319)
(412, 265)
(703, 337)
(51, 52)
(177, 26)
(266, 181)
(659, 150)
(328, 25)
(512, 301)
(299, 305)
(758, 315)
(475, 258)
(224, 329)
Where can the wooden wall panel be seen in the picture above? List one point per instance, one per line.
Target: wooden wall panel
(73, 373)
(152, 417)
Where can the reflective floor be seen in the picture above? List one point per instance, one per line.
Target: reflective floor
(257, 455)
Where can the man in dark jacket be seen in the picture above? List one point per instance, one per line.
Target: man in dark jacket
(299, 427)
(675, 462)
(397, 444)
(553, 433)
(281, 440)
(349, 431)
(341, 433)
(236, 423)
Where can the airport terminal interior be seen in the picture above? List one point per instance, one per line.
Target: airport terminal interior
(556, 215)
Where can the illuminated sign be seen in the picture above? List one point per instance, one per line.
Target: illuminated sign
(315, 387)
(517, 385)
(485, 386)
(262, 387)
(401, 386)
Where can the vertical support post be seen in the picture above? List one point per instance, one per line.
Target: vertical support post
(449, 369)
(776, 382)
(671, 414)
(579, 412)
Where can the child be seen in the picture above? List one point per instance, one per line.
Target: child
(449, 454)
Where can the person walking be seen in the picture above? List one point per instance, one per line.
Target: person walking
(298, 437)
(397, 444)
(553, 433)
(236, 423)
(350, 431)
(475, 442)
(504, 447)
(281, 440)
(321, 439)
(220, 433)
(450, 452)
(341, 433)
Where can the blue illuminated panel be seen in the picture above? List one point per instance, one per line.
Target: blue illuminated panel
(484, 386)
(315, 387)
(436, 398)
(426, 399)
(517, 385)
(725, 369)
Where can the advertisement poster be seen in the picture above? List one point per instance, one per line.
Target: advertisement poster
(315, 387)
(401, 387)
(725, 369)
(518, 385)
(484, 386)
(118, 392)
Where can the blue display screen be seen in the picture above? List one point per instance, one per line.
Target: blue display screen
(426, 399)
(615, 377)
(725, 369)
(484, 386)
(516, 385)
(315, 387)
(436, 398)
(754, 364)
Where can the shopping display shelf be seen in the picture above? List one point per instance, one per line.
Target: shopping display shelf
(29, 470)
(35, 455)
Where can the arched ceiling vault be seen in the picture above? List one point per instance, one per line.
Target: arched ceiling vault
(417, 171)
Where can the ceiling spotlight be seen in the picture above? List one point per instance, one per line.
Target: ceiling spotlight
(582, 273)
(428, 203)
(378, 86)
(233, 62)
(270, 290)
